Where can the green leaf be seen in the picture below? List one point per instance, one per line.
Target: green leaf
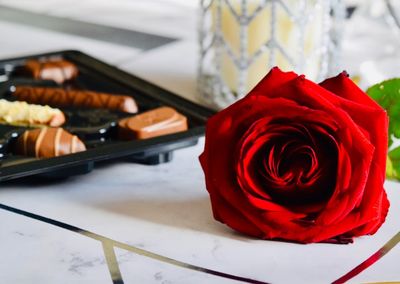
(387, 95)
(391, 173)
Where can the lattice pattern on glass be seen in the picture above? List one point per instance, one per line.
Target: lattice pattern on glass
(240, 40)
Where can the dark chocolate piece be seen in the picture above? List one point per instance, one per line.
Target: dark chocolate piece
(59, 97)
(153, 123)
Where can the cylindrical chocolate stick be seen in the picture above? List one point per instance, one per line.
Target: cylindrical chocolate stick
(59, 97)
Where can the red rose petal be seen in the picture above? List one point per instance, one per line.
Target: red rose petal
(360, 147)
(248, 169)
(274, 79)
(372, 119)
(347, 211)
(239, 223)
(344, 87)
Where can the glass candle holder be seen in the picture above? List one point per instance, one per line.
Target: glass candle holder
(240, 40)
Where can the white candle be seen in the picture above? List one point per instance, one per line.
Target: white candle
(299, 43)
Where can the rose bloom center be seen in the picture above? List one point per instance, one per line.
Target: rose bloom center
(295, 163)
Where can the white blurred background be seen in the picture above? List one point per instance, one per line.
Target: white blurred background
(370, 40)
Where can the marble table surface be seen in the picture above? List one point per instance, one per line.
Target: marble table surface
(130, 223)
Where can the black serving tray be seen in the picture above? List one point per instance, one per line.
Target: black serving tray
(97, 134)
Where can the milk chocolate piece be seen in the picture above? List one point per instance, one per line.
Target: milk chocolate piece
(57, 70)
(156, 122)
(24, 114)
(59, 97)
(47, 143)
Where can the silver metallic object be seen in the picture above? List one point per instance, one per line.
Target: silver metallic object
(299, 35)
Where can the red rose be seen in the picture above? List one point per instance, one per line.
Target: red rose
(298, 161)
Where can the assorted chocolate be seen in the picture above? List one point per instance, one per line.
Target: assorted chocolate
(60, 97)
(153, 123)
(36, 107)
(48, 142)
(58, 70)
(23, 114)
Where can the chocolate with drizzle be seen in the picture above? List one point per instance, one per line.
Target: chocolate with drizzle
(47, 143)
(59, 97)
(57, 70)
